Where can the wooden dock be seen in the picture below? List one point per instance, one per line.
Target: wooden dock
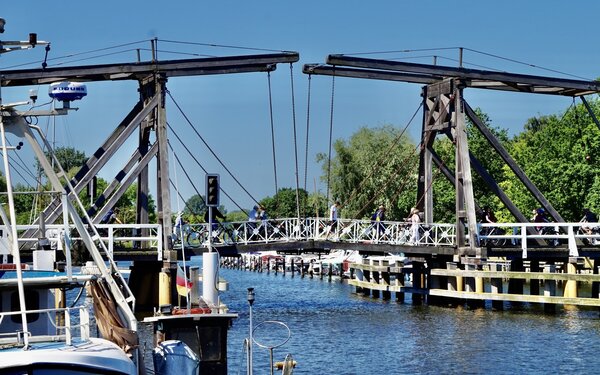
(498, 281)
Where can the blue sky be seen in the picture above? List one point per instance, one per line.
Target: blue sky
(232, 112)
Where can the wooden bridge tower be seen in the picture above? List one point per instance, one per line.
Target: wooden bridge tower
(444, 113)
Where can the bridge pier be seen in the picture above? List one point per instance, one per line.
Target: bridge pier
(375, 278)
(399, 281)
(515, 286)
(534, 285)
(418, 282)
(496, 286)
(385, 280)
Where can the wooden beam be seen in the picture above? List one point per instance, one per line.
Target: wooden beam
(137, 71)
(493, 80)
(493, 141)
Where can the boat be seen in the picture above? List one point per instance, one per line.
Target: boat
(39, 333)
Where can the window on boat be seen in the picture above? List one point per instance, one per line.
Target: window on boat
(32, 302)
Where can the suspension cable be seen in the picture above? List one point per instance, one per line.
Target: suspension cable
(272, 134)
(295, 141)
(307, 131)
(202, 167)
(330, 134)
(183, 169)
(209, 148)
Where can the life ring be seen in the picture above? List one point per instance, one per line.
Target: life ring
(194, 310)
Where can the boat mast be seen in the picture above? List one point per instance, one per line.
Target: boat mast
(15, 45)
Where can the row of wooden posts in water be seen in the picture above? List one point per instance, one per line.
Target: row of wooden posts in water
(470, 282)
(277, 265)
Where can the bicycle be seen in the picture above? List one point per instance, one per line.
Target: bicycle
(225, 232)
(493, 231)
(192, 237)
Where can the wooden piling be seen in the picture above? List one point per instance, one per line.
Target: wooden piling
(366, 278)
(496, 286)
(385, 280)
(400, 281)
(549, 288)
(571, 285)
(418, 283)
(534, 285)
(375, 278)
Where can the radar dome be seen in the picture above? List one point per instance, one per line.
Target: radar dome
(67, 91)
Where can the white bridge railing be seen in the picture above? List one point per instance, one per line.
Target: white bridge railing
(113, 235)
(293, 229)
(520, 235)
(496, 235)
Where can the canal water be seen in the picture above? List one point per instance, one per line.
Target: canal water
(334, 331)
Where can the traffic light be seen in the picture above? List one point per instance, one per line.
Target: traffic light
(212, 190)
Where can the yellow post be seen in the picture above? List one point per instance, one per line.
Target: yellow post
(571, 285)
(479, 285)
(164, 287)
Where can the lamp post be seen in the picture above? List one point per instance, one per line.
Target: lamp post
(250, 302)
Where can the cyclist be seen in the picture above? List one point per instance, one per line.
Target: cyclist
(179, 226)
(216, 215)
(589, 217)
(540, 217)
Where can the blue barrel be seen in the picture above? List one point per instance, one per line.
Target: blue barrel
(175, 357)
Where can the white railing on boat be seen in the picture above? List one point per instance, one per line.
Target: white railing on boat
(16, 338)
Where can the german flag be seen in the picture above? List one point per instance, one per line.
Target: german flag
(183, 284)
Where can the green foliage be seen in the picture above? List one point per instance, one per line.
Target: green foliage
(236, 216)
(68, 157)
(560, 156)
(374, 167)
(283, 204)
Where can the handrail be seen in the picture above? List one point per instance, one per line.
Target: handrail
(84, 321)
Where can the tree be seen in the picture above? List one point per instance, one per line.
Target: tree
(560, 156)
(374, 167)
(68, 157)
(283, 204)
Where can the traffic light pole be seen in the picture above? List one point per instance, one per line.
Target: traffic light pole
(210, 223)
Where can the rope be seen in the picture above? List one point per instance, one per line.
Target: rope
(179, 199)
(330, 133)
(202, 167)
(272, 133)
(295, 141)
(210, 149)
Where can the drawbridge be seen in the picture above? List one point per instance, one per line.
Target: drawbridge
(445, 112)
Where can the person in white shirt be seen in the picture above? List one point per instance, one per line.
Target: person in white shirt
(333, 211)
(415, 219)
